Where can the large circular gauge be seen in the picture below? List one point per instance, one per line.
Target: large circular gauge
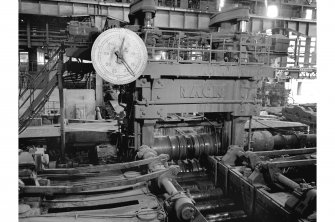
(119, 56)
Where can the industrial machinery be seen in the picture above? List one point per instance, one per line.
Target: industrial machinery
(198, 89)
(305, 113)
(188, 96)
(272, 185)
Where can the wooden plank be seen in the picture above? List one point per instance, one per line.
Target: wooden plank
(120, 214)
(91, 186)
(107, 167)
(149, 200)
(141, 189)
(78, 181)
(89, 192)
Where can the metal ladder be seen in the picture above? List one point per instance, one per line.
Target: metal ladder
(46, 77)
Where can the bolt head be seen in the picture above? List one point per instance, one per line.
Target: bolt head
(187, 213)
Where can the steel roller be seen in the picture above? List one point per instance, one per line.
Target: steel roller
(187, 146)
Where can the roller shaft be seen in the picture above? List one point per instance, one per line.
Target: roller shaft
(204, 195)
(188, 146)
(214, 206)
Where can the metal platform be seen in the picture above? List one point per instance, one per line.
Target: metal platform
(266, 124)
(54, 130)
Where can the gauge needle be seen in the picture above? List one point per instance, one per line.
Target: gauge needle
(121, 59)
(121, 46)
(119, 53)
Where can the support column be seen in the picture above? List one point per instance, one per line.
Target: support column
(307, 51)
(226, 134)
(47, 33)
(28, 34)
(148, 132)
(61, 104)
(32, 55)
(99, 100)
(238, 130)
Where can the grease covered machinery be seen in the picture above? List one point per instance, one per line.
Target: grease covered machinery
(194, 98)
(199, 88)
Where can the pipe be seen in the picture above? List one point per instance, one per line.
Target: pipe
(204, 195)
(293, 163)
(61, 104)
(183, 205)
(226, 216)
(286, 152)
(216, 205)
(286, 181)
(265, 141)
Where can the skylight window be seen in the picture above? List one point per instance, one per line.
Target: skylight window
(221, 5)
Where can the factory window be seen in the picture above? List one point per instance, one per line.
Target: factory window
(299, 88)
(40, 57)
(309, 13)
(24, 61)
(24, 57)
(272, 11)
(194, 4)
(268, 31)
(221, 4)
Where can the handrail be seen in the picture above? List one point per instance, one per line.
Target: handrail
(39, 102)
(26, 119)
(39, 81)
(246, 50)
(42, 71)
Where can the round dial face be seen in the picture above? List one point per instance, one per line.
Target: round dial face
(119, 56)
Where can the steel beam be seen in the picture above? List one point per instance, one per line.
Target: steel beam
(63, 8)
(156, 70)
(286, 152)
(161, 111)
(166, 17)
(293, 163)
